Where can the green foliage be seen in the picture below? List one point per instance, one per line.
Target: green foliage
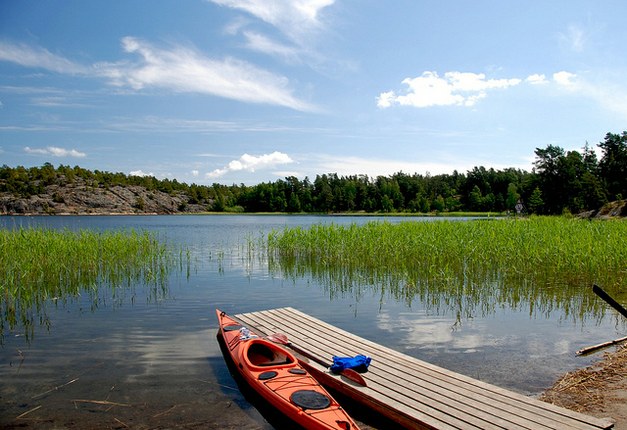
(572, 181)
(535, 203)
(613, 165)
(140, 204)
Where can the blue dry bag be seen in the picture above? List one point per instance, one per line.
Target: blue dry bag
(358, 363)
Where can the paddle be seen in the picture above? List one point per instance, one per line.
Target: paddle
(610, 301)
(348, 373)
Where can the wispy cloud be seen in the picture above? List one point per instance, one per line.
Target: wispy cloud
(373, 167)
(294, 18)
(55, 151)
(57, 101)
(574, 38)
(605, 92)
(183, 69)
(252, 163)
(176, 68)
(261, 43)
(453, 89)
(34, 56)
(162, 124)
(352, 165)
(299, 25)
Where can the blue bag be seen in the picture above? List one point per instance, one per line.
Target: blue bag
(358, 363)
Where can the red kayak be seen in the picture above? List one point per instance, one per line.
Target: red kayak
(275, 374)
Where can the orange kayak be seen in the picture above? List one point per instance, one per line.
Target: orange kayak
(275, 374)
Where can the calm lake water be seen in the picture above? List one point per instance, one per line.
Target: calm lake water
(144, 361)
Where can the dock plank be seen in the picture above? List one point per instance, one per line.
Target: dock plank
(469, 388)
(416, 393)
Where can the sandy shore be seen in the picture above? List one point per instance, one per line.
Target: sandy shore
(599, 390)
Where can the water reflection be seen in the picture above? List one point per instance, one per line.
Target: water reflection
(454, 295)
(156, 350)
(42, 268)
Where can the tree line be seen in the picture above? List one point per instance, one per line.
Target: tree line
(560, 181)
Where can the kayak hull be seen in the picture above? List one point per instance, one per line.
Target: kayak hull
(275, 374)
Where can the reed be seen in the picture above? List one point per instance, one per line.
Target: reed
(39, 266)
(468, 267)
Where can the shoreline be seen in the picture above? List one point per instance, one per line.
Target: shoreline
(599, 390)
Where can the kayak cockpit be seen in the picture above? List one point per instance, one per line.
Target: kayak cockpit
(262, 353)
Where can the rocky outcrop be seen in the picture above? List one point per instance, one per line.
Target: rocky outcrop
(617, 209)
(82, 199)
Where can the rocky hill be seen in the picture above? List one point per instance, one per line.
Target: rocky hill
(80, 198)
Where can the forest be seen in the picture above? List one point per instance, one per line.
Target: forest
(560, 182)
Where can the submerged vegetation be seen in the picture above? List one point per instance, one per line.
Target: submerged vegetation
(465, 267)
(39, 266)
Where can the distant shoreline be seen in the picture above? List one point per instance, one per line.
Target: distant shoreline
(338, 214)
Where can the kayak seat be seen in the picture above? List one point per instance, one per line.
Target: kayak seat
(262, 355)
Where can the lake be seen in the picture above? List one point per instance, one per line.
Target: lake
(145, 360)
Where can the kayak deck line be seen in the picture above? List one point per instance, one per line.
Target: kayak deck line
(414, 393)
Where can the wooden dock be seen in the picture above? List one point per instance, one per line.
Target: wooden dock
(415, 394)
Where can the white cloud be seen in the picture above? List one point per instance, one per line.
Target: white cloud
(466, 89)
(29, 56)
(250, 163)
(386, 99)
(293, 17)
(565, 79)
(536, 79)
(55, 152)
(140, 173)
(454, 89)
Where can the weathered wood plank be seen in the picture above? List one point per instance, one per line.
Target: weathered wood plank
(537, 407)
(431, 396)
(470, 405)
(409, 389)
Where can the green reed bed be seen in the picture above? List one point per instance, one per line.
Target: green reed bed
(39, 265)
(470, 266)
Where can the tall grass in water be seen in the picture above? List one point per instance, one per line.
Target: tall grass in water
(468, 267)
(39, 265)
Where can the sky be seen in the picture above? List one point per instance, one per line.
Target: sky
(251, 91)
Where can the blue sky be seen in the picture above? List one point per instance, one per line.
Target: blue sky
(249, 91)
